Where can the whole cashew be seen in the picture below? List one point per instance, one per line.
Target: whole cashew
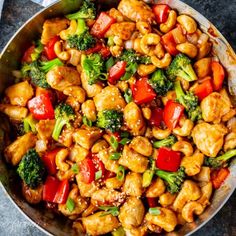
(188, 48)
(69, 31)
(63, 55)
(143, 27)
(60, 159)
(230, 141)
(89, 110)
(99, 145)
(156, 189)
(186, 126)
(159, 51)
(184, 83)
(167, 199)
(188, 23)
(184, 147)
(137, 45)
(160, 133)
(75, 56)
(144, 70)
(148, 43)
(161, 63)
(170, 23)
(204, 175)
(192, 208)
(206, 194)
(62, 175)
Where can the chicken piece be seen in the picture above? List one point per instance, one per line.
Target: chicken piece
(20, 93)
(45, 129)
(52, 27)
(109, 98)
(114, 183)
(214, 107)
(132, 213)
(107, 197)
(133, 160)
(86, 138)
(133, 184)
(110, 165)
(91, 90)
(136, 10)
(78, 153)
(166, 220)
(14, 112)
(16, 150)
(100, 223)
(156, 189)
(123, 30)
(61, 77)
(113, 12)
(80, 204)
(76, 92)
(66, 137)
(86, 190)
(133, 119)
(209, 138)
(139, 231)
(141, 145)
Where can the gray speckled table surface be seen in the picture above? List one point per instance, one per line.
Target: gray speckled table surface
(220, 13)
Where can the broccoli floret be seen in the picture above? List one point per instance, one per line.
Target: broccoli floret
(63, 114)
(29, 124)
(189, 101)
(37, 71)
(160, 83)
(110, 120)
(130, 56)
(167, 142)
(31, 169)
(94, 67)
(173, 179)
(86, 11)
(181, 66)
(216, 162)
(37, 51)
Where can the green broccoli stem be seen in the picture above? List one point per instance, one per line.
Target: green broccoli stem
(225, 157)
(29, 124)
(81, 26)
(164, 175)
(179, 93)
(58, 128)
(169, 141)
(188, 73)
(46, 66)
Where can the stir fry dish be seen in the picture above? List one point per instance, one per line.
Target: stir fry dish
(122, 121)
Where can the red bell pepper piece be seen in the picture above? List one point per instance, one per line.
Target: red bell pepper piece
(49, 161)
(41, 107)
(218, 75)
(49, 48)
(105, 52)
(87, 170)
(152, 201)
(169, 43)
(62, 192)
(94, 49)
(116, 72)
(218, 177)
(98, 164)
(156, 117)
(50, 188)
(168, 159)
(102, 24)
(27, 55)
(161, 12)
(172, 113)
(203, 89)
(142, 91)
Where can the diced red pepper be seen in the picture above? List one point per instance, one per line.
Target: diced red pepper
(49, 161)
(218, 177)
(203, 89)
(156, 117)
(41, 107)
(95, 49)
(98, 164)
(116, 72)
(49, 48)
(169, 43)
(50, 188)
(105, 52)
(27, 55)
(87, 170)
(152, 201)
(62, 192)
(168, 159)
(172, 113)
(218, 75)
(161, 12)
(102, 24)
(142, 91)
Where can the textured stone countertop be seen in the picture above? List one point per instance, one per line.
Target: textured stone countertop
(220, 13)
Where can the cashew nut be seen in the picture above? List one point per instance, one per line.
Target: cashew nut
(148, 43)
(160, 133)
(231, 124)
(141, 145)
(203, 67)
(167, 199)
(206, 194)
(192, 208)
(192, 164)
(184, 147)
(170, 23)
(77, 92)
(143, 27)
(161, 63)
(60, 160)
(156, 189)
(159, 51)
(89, 110)
(188, 23)
(187, 48)
(186, 126)
(137, 45)
(114, 183)
(230, 141)
(184, 83)
(116, 50)
(99, 145)
(63, 55)
(204, 46)
(144, 70)
(75, 56)
(62, 175)
(69, 31)
(147, 113)
(204, 175)
(189, 192)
